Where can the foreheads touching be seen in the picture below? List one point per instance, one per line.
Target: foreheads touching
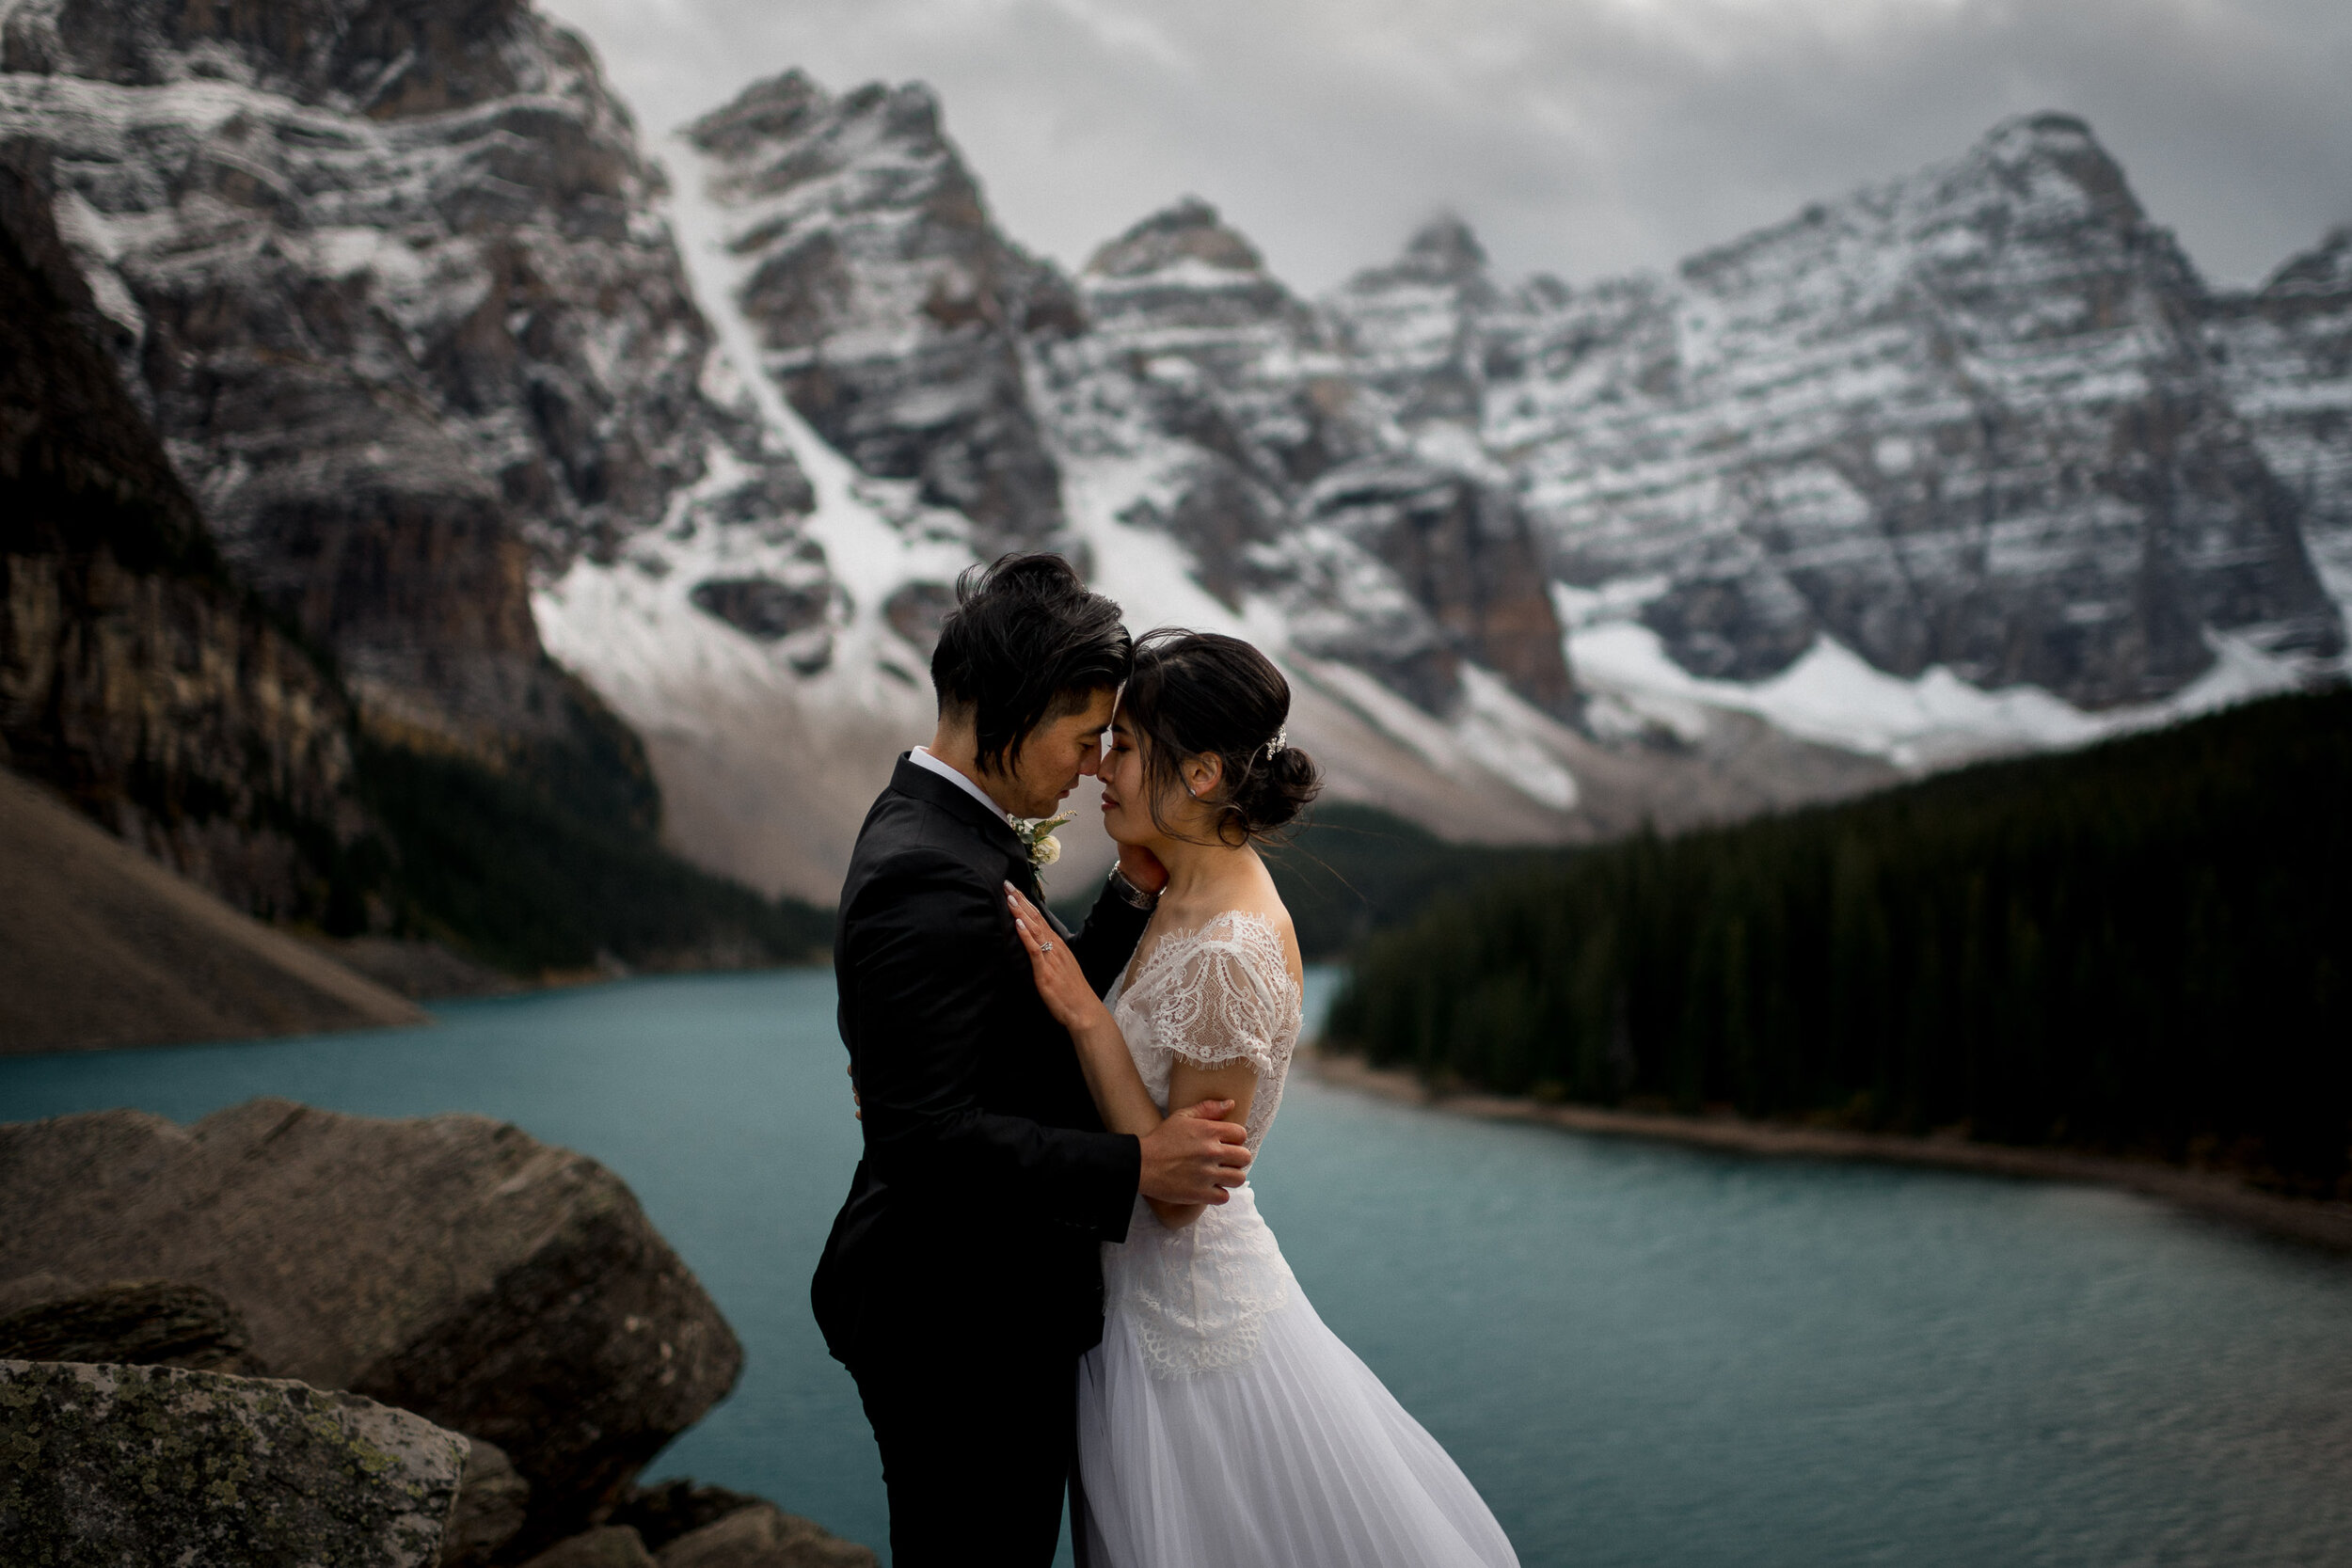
(1204, 716)
(1029, 650)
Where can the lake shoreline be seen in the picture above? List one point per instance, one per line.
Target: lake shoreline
(2312, 1221)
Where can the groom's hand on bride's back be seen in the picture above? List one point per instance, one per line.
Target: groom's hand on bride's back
(1193, 1157)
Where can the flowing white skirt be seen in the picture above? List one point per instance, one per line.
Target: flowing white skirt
(1293, 1456)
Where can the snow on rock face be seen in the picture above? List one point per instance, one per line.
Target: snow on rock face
(883, 301)
(2285, 354)
(1963, 421)
(1936, 469)
(952, 398)
(1415, 328)
(389, 284)
(769, 750)
(767, 764)
(1207, 403)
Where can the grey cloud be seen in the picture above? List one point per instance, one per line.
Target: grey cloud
(1584, 138)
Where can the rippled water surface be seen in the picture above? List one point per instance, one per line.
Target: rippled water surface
(1643, 1356)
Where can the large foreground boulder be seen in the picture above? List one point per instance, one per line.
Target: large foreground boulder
(138, 1464)
(451, 1266)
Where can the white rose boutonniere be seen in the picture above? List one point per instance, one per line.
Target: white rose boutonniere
(1037, 833)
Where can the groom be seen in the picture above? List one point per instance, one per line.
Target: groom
(962, 1280)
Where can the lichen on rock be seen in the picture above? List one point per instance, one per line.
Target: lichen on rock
(105, 1464)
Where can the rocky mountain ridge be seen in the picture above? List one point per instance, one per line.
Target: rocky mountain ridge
(390, 288)
(1211, 465)
(465, 378)
(1965, 419)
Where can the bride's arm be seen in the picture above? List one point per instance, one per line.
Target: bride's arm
(1235, 1083)
(1120, 1098)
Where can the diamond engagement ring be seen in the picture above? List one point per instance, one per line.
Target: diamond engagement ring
(1046, 946)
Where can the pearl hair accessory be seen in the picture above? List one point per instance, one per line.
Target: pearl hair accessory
(1280, 743)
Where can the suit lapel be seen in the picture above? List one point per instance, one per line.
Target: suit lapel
(929, 787)
(924, 785)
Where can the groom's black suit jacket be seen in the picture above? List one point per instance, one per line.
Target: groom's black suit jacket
(988, 1183)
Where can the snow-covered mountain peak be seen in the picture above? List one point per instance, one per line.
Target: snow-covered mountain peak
(1184, 283)
(882, 297)
(1417, 328)
(1443, 250)
(1937, 466)
(2055, 159)
(1189, 231)
(1211, 466)
(2317, 282)
(1949, 420)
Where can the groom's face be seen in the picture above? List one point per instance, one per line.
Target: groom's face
(1055, 755)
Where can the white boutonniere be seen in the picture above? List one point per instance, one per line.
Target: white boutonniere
(1037, 833)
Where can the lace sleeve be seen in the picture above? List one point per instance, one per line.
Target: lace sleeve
(1228, 1003)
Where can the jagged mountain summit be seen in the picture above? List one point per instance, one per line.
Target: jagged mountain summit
(1174, 417)
(1964, 421)
(1206, 403)
(884, 301)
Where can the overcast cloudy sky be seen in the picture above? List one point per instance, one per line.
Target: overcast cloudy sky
(1583, 137)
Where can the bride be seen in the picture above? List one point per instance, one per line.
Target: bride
(1219, 1421)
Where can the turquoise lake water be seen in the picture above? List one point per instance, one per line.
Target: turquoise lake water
(1643, 1356)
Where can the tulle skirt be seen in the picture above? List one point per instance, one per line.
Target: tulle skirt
(1295, 1458)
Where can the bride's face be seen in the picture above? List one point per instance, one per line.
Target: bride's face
(1126, 816)
(1127, 813)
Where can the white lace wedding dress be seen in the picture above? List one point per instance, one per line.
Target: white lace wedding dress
(1220, 1424)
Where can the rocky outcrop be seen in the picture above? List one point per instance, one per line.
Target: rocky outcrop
(136, 676)
(667, 1510)
(1965, 419)
(146, 1322)
(764, 1536)
(605, 1547)
(392, 287)
(111, 1464)
(685, 1526)
(451, 1266)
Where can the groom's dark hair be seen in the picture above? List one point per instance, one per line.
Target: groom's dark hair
(1028, 641)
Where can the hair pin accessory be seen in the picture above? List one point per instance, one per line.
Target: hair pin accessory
(1280, 743)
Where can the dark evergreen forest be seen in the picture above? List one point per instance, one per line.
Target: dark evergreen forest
(496, 866)
(2142, 948)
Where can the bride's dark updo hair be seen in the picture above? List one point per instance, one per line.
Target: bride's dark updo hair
(1203, 694)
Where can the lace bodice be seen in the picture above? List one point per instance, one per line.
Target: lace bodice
(1220, 994)
(1198, 1297)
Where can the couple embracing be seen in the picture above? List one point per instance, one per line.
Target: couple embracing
(1050, 1271)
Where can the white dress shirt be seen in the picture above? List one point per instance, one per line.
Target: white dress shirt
(922, 757)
